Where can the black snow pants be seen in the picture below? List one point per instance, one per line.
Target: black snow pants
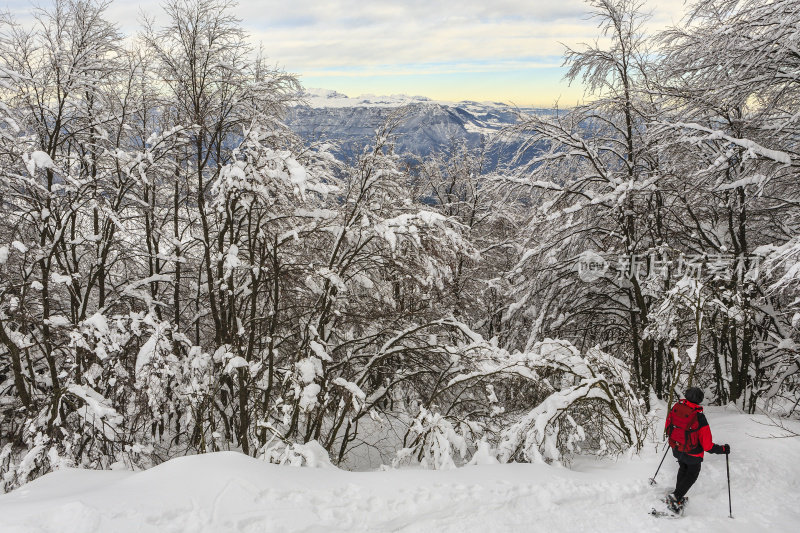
(688, 470)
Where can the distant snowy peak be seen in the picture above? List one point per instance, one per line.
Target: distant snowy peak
(496, 113)
(324, 98)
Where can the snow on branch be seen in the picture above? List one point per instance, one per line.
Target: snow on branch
(753, 148)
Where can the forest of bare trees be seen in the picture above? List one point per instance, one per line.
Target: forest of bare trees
(180, 273)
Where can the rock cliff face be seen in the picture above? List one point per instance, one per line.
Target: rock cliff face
(424, 126)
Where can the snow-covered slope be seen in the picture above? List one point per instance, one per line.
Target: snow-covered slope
(231, 492)
(427, 125)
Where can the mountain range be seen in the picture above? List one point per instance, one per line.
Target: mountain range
(425, 126)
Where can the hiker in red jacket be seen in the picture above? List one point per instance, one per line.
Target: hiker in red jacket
(689, 437)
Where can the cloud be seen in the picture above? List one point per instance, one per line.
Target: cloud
(309, 34)
(446, 67)
(359, 39)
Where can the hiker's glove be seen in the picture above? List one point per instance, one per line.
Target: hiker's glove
(717, 448)
(726, 449)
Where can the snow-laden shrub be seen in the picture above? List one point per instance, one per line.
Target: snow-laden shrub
(581, 403)
(484, 454)
(110, 412)
(310, 454)
(591, 408)
(541, 405)
(436, 442)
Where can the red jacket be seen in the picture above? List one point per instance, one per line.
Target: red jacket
(703, 433)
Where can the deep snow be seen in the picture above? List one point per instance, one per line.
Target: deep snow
(231, 492)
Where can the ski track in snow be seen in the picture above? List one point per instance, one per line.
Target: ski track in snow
(229, 492)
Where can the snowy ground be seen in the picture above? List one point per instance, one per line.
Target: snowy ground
(231, 492)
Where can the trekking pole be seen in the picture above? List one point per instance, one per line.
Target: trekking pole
(728, 470)
(653, 479)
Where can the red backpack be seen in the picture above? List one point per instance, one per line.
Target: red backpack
(682, 430)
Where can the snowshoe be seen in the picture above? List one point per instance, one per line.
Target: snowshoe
(674, 505)
(663, 514)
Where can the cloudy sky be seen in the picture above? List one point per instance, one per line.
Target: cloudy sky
(500, 50)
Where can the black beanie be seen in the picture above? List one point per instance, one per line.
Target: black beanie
(694, 395)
